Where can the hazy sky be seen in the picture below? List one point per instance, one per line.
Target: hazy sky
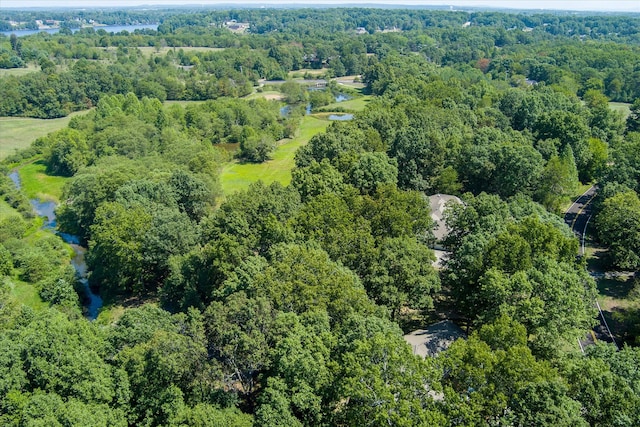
(600, 5)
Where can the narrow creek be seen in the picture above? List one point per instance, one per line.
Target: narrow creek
(46, 209)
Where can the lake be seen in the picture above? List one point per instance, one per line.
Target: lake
(107, 28)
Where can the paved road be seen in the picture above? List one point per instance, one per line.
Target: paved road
(577, 217)
(579, 212)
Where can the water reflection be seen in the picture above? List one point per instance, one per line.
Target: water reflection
(47, 209)
(340, 117)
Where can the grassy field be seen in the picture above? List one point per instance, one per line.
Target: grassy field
(28, 295)
(622, 107)
(355, 104)
(18, 71)
(298, 74)
(238, 176)
(267, 94)
(36, 184)
(6, 210)
(17, 133)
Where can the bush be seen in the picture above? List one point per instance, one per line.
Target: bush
(59, 289)
(6, 262)
(257, 149)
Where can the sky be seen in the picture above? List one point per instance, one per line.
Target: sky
(583, 5)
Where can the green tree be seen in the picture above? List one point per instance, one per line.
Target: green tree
(402, 275)
(372, 170)
(382, 382)
(115, 255)
(239, 335)
(6, 262)
(493, 380)
(633, 120)
(68, 152)
(257, 148)
(316, 179)
(558, 181)
(344, 235)
(294, 93)
(300, 279)
(618, 225)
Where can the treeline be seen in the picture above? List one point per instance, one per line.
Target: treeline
(574, 60)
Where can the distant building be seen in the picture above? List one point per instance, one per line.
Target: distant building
(361, 30)
(237, 27)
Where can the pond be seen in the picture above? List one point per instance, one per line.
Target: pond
(341, 117)
(284, 111)
(47, 209)
(342, 97)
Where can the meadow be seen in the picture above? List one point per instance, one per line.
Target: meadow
(622, 107)
(17, 133)
(17, 72)
(37, 184)
(238, 176)
(354, 104)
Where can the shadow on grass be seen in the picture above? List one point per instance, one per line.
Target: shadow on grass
(618, 287)
(624, 324)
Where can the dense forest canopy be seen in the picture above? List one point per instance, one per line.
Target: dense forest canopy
(285, 304)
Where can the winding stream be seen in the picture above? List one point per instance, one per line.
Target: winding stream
(46, 209)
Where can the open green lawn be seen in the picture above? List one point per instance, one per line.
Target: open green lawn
(37, 184)
(297, 74)
(267, 94)
(621, 106)
(18, 71)
(27, 294)
(17, 133)
(355, 104)
(238, 176)
(6, 210)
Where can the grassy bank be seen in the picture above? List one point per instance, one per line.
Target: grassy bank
(238, 176)
(37, 184)
(355, 104)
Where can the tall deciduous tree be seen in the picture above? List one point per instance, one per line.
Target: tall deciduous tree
(618, 225)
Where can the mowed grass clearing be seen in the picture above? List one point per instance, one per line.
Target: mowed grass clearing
(269, 95)
(37, 184)
(623, 107)
(17, 72)
(238, 176)
(355, 104)
(17, 133)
